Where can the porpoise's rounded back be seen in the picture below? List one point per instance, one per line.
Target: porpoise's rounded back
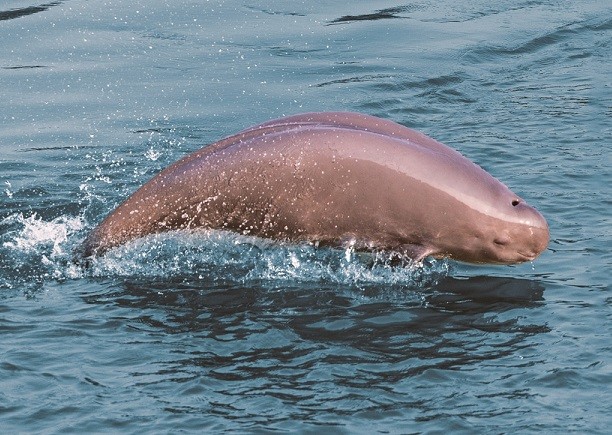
(336, 179)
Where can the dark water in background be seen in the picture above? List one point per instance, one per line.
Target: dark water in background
(214, 332)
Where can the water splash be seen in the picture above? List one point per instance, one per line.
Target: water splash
(219, 256)
(35, 250)
(37, 234)
(8, 192)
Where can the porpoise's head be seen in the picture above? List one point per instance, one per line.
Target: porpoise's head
(494, 225)
(517, 233)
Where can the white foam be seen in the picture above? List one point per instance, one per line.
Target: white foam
(36, 233)
(34, 250)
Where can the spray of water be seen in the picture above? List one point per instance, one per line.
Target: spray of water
(36, 250)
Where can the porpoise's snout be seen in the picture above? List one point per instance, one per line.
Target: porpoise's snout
(538, 233)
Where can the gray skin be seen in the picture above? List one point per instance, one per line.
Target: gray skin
(335, 179)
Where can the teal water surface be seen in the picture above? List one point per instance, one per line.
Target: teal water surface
(184, 333)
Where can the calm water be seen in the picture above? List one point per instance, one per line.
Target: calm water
(217, 332)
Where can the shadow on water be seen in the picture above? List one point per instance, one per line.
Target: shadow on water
(491, 293)
(390, 322)
(475, 294)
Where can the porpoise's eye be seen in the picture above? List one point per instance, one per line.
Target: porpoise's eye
(515, 202)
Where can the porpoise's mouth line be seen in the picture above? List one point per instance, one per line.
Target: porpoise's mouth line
(528, 256)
